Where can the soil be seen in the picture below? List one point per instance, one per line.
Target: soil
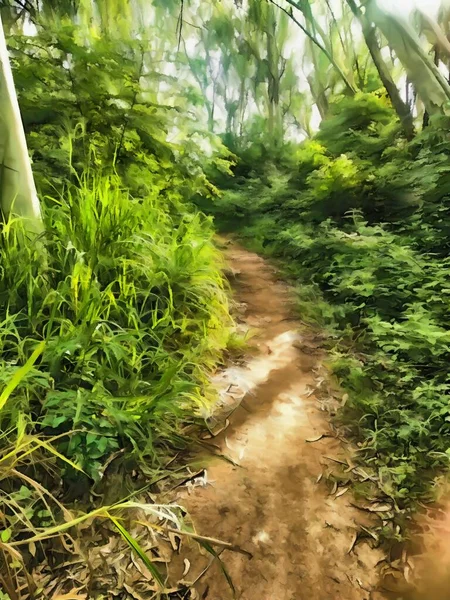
(279, 500)
(428, 561)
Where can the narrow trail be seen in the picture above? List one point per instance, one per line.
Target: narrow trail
(278, 503)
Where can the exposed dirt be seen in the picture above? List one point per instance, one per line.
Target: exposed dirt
(278, 503)
(428, 563)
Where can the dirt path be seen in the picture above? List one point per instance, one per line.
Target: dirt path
(278, 503)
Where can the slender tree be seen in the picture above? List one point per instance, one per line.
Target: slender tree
(18, 191)
(310, 29)
(369, 32)
(431, 85)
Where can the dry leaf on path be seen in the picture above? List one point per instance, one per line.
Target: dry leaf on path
(354, 540)
(341, 492)
(317, 438)
(379, 507)
(337, 460)
(187, 566)
(74, 595)
(375, 508)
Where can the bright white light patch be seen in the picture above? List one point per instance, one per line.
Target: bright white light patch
(404, 7)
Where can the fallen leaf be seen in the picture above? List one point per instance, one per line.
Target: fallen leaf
(352, 545)
(133, 592)
(379, 507)
(174, 541)
(316, 439)
(407, 573)
(216, 433)
(187, 566)
(337, 460)
(341, 492)
(371, 533)
(361, 585)
(376, 507)
(362, 474)
(74, 595)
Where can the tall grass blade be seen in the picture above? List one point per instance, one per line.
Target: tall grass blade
(20, 374)
(135, 547)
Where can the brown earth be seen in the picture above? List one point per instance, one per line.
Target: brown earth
(278, 500)
(429, 551)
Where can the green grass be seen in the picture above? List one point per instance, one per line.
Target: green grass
(132, 307)
(112, 321)
(111, 324)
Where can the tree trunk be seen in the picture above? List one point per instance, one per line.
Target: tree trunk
(17, 188)
(319, 95)
(273, 83)
(348, 85)
(429, 82)
(426, 116)
(401, 108)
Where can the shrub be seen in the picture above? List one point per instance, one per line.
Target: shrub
(131, 304)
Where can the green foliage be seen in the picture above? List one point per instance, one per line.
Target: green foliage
(363, 125)
(129, 298)
(361, 225)
(112, 320)
(131, 306)
(94, 103)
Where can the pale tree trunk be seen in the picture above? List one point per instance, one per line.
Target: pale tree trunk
(17, 188)
(316, 85)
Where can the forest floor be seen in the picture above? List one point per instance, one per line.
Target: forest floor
(279, 501)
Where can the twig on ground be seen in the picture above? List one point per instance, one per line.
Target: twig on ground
(210, 540)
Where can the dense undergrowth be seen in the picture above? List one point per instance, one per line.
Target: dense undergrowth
(359, 218)
(112, 320)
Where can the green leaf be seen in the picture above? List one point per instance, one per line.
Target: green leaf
(20, 374)
(134, 545)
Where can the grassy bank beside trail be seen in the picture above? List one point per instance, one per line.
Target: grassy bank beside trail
(112, 321)
(358, 217)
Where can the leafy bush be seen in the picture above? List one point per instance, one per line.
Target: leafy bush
(364, 125)
(120, 303)
(132, 307)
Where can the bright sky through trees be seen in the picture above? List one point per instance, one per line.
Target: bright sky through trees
(405, 6)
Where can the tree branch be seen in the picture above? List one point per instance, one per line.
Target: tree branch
(315, 41)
